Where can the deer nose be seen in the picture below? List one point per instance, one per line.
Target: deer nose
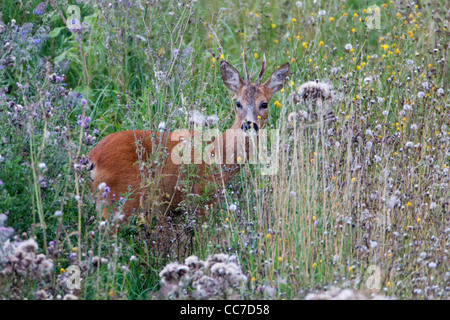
(246, 126)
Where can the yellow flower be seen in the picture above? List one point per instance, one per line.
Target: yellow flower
(213, 60)
(62, 270)
(253, 279)
(292, 83)
(222, 57)
(280, 258)
(331, 19)
(350, 269)
(273, 25)
(344, 14)
(255, 55)
(355, 15)
(277, 104)
(321, 44)
(353, 30)
(275, 41)
(294, 20)
(305, 45)
(268, 236)
(353, 179)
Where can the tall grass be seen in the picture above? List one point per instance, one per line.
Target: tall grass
(360, 202)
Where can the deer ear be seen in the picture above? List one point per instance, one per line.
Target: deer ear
(278, 78)
(230, 76)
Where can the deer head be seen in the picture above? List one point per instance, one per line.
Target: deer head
(252, 98)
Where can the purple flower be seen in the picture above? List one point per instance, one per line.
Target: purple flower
(40, 8)
(175, 52)
(83, 102)
(106, 191)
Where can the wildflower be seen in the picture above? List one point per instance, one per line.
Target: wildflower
(299, 4)
(420, 95)
(175, 52)
(294, 20)
(321, 13)
(331, 19)
(233, 208)
(277, 104)
(305, 45)
(42, 165)
(162, 126)
(58, 213)
(40, 8)
(348, 47)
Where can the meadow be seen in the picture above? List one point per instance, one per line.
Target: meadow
(359, 205)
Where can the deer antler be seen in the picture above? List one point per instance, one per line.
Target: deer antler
(263, 69)
(247, 79)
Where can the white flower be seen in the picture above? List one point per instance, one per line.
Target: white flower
(233, 207)
(385, 113)
(348, 47)
(440, 91)
(162, 126)
(409, 144)
(433, 205)
(410, 62)
(133, 258)
(299, 4)
(367, 80)
(212, 120)
(197, 118)
(58, 213)
(407, 107)
(42, 165)
(101, 186)
(321, 13)
(380, 100)
(420, 95)
(414, 126)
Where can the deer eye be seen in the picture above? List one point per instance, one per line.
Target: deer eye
(239, 105)
(264, 105)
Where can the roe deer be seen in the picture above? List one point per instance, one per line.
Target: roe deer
(114, 160)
